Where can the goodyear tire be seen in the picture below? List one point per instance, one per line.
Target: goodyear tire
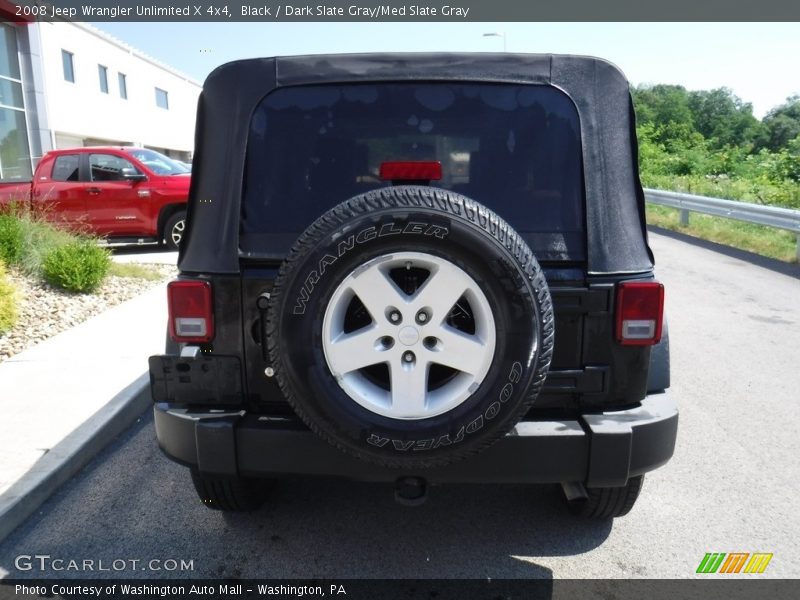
(410, 326)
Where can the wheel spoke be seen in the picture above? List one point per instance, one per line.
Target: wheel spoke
(459, 351)
(408, 334)
(409, 389)
(376, 291)
(442, 290)
(352, 351)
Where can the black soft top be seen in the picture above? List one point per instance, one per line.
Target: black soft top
(615, 228)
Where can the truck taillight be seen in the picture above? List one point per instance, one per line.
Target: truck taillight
(191, 315)
(640, 312)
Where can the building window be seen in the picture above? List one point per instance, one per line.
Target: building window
(69, 68)
(103, 73)
(9, 65)
(123, 86)
(11, 93)
(162, 98)
(15, 154)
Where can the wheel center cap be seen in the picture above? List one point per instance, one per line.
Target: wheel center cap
(408, 336)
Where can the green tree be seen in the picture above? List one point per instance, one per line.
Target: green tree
(662, 103)
(708, 142)
(782, 125)
(787, 164)
(722, 118)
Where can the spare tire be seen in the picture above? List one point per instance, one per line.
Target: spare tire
(410, 326)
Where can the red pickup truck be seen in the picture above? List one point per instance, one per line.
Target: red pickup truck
(123, 194)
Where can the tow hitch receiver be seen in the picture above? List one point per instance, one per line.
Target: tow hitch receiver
(411, 491)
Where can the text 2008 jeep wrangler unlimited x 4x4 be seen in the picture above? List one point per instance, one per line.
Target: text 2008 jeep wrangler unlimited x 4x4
(416, 268)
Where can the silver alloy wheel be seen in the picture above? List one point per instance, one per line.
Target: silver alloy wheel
(176, 235)
(432, 362)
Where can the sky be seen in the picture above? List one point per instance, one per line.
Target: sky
(758, 61)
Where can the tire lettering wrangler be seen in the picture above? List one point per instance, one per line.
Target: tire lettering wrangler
(362, 237)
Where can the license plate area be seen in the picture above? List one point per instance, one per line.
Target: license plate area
(201, 380)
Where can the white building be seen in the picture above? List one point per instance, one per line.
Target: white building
(68, 84)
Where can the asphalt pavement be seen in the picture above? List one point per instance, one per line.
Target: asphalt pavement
(67, 397)
(731, 486)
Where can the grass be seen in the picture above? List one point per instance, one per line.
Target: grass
(135, 271)
(33, 238)
(41, 240)
(11, 239)
(8, 304)
(786, 194)
(766, 241)
(69, 261)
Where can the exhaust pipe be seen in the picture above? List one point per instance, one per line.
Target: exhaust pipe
(574, 491)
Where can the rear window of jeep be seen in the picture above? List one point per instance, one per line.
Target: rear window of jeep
(514, 148)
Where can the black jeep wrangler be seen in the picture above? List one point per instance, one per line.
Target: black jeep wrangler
(416, 268)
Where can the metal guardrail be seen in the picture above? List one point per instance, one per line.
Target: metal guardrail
(772, 216)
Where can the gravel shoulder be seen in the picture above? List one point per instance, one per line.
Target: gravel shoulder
(45, 311)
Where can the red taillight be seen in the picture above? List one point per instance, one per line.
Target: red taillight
(640, 312)
(411, 170)
(191, 315)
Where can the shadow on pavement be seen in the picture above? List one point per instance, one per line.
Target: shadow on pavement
(133, 503)
(778, 266)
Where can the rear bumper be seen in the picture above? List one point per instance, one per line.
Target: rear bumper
(603, 449)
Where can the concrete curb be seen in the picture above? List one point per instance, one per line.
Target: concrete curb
(73, 453)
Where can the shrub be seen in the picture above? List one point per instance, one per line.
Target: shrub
(78, 266)
(41, 238)
(8, 306)
(26, 237)
(12, 239)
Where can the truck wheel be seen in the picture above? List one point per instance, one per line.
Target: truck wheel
(174, 230)
(605, 503)
(410, 326)
(230, 493)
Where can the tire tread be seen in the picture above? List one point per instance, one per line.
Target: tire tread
(609, 502)
(230, 494)
(454, 205)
